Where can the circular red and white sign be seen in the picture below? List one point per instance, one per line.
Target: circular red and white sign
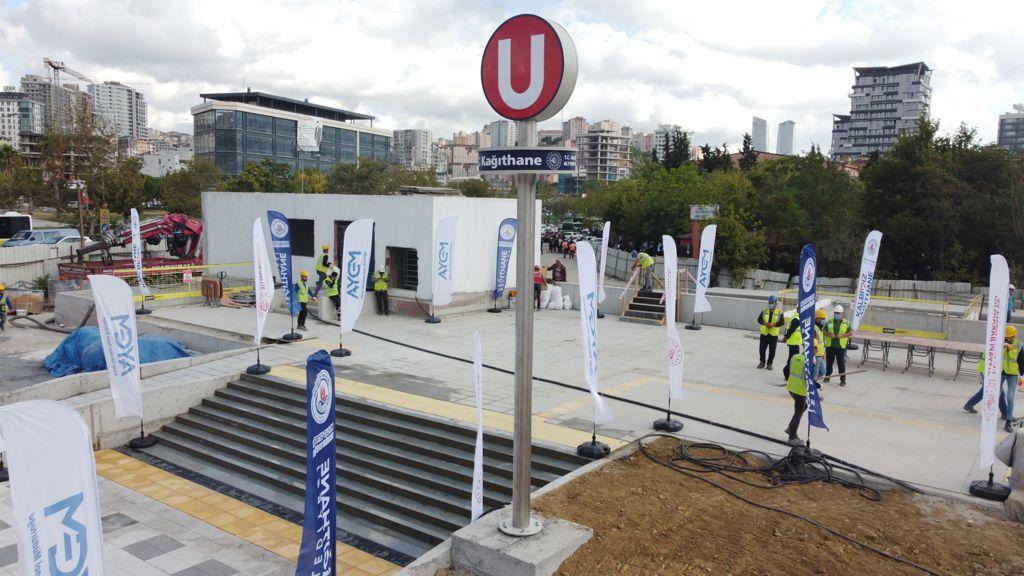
(529, 68)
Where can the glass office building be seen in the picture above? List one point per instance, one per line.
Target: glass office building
(233, 129)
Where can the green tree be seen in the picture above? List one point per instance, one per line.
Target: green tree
(375, 177)
(181, 191)
(263, 176)
(713, 159)
(748, 156)
(119, 188)
(310, 181)
(476, 188)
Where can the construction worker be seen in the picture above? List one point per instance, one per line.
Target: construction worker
(837, 335)
(794, 340)
(819, 341)
(1012, 369)
(323, 264)
(380, 290)
(646, 264)
(796, 385)
(302, 297)
(771, 321)
(333, 293)
(5, 305)
(969, 406)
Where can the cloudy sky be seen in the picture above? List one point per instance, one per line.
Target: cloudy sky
(708, 66)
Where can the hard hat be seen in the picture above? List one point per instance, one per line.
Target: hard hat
(2, 287)
(380, 268)
(820, 314)
(325, 247)
(772, 298)
(304, 274)
(1012, 287)
(1011, 331)
(838, 309)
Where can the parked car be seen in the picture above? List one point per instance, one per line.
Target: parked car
(40, 236)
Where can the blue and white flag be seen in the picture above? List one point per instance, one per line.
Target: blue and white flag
(707, 257)
(867, 278)
(444, 261)
(281, 241)
(119, 334)
(318, 551)
(506, 240)
(53, 489)
(355, 268)
(588, 328)
(805, 305)
(137, 254)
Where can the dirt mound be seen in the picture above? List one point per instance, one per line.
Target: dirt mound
(649, 520)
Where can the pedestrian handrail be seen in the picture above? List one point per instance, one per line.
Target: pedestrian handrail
(625, 298)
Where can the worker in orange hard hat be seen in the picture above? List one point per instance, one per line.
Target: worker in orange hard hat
(323, 265)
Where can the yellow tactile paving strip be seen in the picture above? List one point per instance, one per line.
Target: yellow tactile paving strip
(232, 516)
(496, 420)
(585, 400)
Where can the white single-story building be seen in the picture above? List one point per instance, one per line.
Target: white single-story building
(404, 229)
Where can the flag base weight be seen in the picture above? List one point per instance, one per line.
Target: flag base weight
(852, 346)
(142, 442)
(805, 452)
(341, 352)
(693, 326)
(4, 474)
(142, 311)
(593, 450)
(432, 320)
(989, 490)
(291, 337)
(600, 315)
(257, 369)
(668, 425)
(494, 310)
(506, 527)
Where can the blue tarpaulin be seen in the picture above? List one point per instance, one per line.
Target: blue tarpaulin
(82, 351)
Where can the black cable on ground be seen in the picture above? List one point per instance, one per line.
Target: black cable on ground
(796, 468)
(16, 319)
(660, 409)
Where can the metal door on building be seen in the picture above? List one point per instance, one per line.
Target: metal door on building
(340, 226)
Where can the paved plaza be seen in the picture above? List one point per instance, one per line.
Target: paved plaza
(907, 425)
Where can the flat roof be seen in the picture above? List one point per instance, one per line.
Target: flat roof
(914, 67)
(287, 104)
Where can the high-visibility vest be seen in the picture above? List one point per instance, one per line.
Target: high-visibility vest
(4, 305)
(819, 344)
(796, 383)
(796, 338)
(770, 316)
(831, 332)
(323, 263)
(331, 285)
(645, 260)
(380, 281)
(302, 292)
(1010, 365)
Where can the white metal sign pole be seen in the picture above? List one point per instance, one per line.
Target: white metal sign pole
(525, 213)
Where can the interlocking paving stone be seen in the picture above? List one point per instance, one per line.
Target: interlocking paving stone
(116, 521)
(152, 547)
(207, 568)
(8, 555)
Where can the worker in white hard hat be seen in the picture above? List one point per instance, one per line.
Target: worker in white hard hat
(837, 336)
(1009, 303)
(5, 305)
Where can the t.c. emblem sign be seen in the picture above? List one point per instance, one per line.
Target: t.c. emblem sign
(529, 68)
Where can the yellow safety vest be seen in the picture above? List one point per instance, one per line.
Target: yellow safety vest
(831, 333)
(796, 338)
(1010, 365)
(302, 292)
(645, 260)
(3, 303)
(796, 383)
(323, 263)
(380, 281)
(331, 286)
(819, 346)
(770, 317)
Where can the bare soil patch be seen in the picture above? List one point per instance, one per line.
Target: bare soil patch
(649, 520)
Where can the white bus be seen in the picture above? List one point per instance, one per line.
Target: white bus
(12, 222)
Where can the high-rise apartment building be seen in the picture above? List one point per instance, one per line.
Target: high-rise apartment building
(886, 103)
(604, 155)
(121, 110)
(1010, 134)
(759, 134)
(10, 117)
(463, 161)
(503, 133)
(661, 134)
(572, 129)
(784, 138)
(642, 141)
(72, 102)
(413, 149)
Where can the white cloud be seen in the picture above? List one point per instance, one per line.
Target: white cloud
(708, 66)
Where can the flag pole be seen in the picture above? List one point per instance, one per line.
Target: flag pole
(258, 368)
(341, 351)
(667, 424)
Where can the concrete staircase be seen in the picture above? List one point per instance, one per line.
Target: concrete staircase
(404, 479)
(645, 308)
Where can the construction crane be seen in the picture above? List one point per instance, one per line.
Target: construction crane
(56, 113)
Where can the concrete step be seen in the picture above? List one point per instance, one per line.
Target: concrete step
(655, 308)
(646, 315)
(637, 320)
(404, 478)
